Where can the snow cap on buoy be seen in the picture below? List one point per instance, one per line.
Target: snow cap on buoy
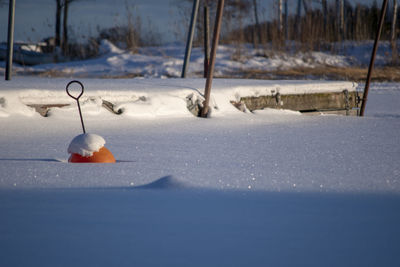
(89, 148)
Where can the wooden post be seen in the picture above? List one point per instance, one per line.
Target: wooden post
(393, 38)
(206, 40)
(217, 29)
(394, 20)
(371, 64)
(189, 41)
(10, 40)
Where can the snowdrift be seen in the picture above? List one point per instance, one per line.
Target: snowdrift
(146, 98)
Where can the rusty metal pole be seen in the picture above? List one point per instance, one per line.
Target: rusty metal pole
(217, 30)
(10, 40)
(371, 64)
(206, 40)
(189, 42)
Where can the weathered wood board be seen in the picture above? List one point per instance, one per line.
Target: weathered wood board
(333, 102)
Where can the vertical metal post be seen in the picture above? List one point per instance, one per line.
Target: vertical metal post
(10, 41)
(206, 40)
(217, 29)
(189, 42)
(371, 64)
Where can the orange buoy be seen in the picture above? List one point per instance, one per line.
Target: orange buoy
(89, 148)
(102, 156)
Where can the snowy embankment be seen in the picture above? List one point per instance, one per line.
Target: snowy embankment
(167, 61)
(270, 188)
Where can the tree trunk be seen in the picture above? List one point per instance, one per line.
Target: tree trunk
(65, 28)
(286, 22)
(325, 14)
(298, 19)
(342, 24)
(58, 23)
(258, 29)
(280, 19)
(394, 20)
(357, 30)
(340, 19)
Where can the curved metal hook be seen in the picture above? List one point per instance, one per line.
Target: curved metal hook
(82, 89)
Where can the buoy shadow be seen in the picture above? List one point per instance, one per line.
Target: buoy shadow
(52, 160)
(32, 159)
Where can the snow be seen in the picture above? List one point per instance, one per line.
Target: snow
(166, 61)
(269, 188)
(149, 98)
(86, 144)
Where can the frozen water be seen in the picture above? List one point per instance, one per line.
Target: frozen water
(271, 188)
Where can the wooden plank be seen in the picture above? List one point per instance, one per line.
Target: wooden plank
(43, 109)
(314, 102)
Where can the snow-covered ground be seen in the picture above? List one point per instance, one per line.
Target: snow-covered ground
(166, 61)
(270, 188)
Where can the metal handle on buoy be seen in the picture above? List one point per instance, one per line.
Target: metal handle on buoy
(77, 100)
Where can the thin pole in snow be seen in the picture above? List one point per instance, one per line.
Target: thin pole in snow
(10, 40)
(77, 100)
(371, 64)
(189, 41)
(217, 29)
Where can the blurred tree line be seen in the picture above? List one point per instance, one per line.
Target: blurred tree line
(320, 21)
(127, 36)
(314, 24)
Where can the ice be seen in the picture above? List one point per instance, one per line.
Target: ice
(269, 188)
(86, 144)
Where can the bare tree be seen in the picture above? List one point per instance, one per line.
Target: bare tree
(286, 19)
(298, 18)
(57, 37)
(340, 18)
(65, 43)
(325, 14)
(280, 18)
(258, 28)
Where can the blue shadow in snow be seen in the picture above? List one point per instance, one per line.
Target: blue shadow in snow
(32, 159)
(166, 182)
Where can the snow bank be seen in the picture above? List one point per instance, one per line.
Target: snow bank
(86, 144)
(167, 61)
(147, 98)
